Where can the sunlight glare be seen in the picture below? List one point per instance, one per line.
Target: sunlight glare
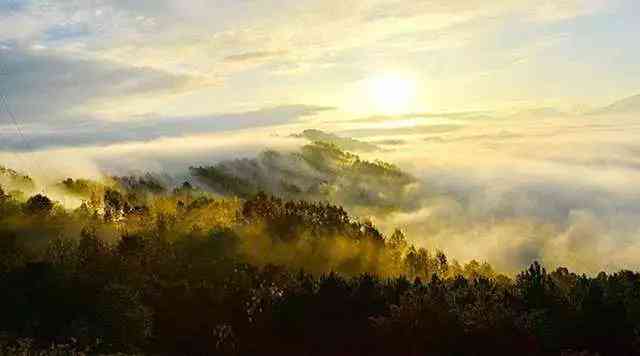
(392, 94)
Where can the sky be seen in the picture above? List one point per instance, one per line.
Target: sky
(134, 60)
(501, 107)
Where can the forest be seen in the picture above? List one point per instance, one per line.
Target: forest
(266, 257)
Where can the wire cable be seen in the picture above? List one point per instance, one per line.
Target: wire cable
(4, 102)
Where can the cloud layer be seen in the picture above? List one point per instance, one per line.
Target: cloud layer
(557, 189)
(115, 85)
(41, 86)
(96, 133)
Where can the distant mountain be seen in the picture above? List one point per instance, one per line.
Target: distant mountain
(625, 106)
(344, 143)
(539, 112)
(320, 171)
(15, 180)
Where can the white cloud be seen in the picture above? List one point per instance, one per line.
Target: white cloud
(557, 10)
(42, 86)
(506, 190)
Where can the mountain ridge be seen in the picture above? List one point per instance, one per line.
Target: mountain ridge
(627, 105)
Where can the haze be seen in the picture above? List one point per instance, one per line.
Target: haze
(520, 118)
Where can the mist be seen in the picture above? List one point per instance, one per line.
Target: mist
(506, 190)
(556, 189)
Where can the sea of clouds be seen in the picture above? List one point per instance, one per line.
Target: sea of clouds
(562, 189)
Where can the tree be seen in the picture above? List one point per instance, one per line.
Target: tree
(533, 285)
(39, 205)
(114, 205)
(125, 321)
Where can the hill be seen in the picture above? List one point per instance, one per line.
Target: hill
(344, 143)
(318, 172)
(628, 105)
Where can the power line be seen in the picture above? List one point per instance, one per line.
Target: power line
(4, 101)
(4, 72)
(14, 120)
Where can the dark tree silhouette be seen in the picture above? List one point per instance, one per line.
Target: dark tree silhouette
(179, 272)
(39, 205)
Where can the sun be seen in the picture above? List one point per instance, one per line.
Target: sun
(391, 94)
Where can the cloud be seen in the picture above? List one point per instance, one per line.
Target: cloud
(227, 41)
(546, 10)
(171, 155)
(557, 10)
(101, 133)
(408, 130)
(560, 190)
(125, 30)
(496, 190)
(416, 8)
(253, 56)
(390, 142)
(630, 105)
(43, 86)
(507, 190)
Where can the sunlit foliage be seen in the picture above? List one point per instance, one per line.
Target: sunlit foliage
(319, 172)
(141, 267)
